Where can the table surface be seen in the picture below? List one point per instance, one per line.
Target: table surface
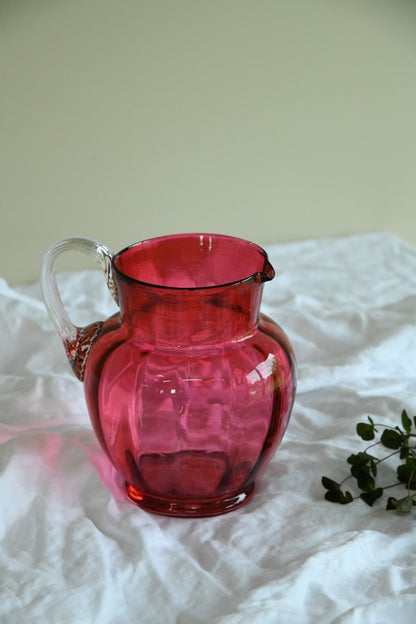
(74, 551)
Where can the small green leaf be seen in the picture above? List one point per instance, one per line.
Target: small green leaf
(391, 439)
(406, 504)
(359, 459)
(365, 431)
(392, 503)
(347, 498)
(406, 422)
(365, 482)
(404, 452)
(371, 497)
(403, 473)
(406, 473)
(329, 484)
(360, 470)
(339, 497)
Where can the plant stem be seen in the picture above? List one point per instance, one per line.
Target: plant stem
(378, 461)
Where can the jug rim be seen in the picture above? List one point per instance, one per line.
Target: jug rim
(267, 272)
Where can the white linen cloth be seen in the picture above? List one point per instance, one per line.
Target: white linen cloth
(74, 551)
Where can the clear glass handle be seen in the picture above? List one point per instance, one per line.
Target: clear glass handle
(77, 340)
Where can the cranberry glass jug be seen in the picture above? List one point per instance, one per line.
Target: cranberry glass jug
(189, 388)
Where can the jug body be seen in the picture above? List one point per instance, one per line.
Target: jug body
(190, 388)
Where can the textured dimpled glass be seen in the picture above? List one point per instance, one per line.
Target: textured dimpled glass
(189, 388)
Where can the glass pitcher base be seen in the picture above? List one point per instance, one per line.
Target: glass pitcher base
(197, 508)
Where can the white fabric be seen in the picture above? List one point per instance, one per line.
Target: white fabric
(73, 551)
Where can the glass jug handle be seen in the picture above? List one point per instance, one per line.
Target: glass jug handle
(77, 340)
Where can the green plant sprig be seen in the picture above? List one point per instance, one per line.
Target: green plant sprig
(364, 466)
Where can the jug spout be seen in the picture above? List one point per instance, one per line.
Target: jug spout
(268, 272)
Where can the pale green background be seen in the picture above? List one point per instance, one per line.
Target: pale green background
(271, 120)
